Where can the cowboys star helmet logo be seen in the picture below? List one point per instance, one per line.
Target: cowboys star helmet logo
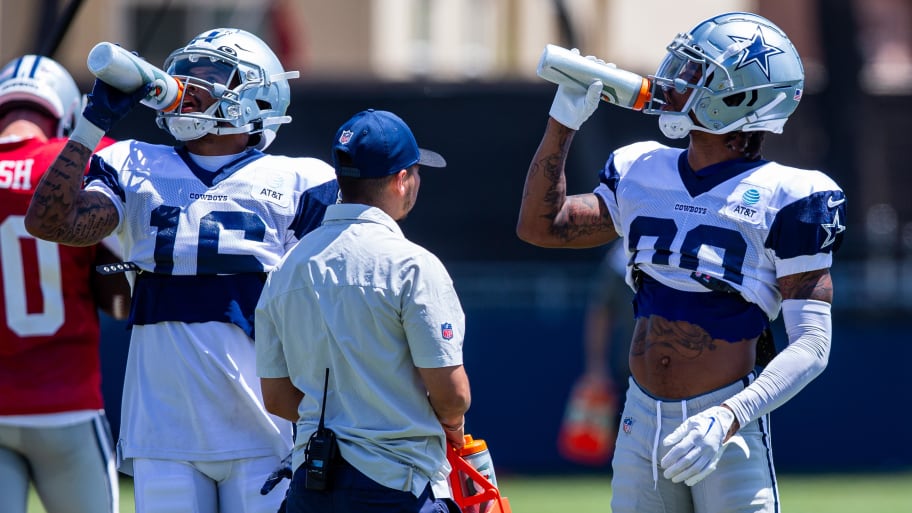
(757, 52)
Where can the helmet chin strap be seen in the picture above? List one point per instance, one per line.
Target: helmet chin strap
(675, 126)
(754, 116)
(230, 130)
(190, 128)
(249, 127)
(288, 75)
(678, 125)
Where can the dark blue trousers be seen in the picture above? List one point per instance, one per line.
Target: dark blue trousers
(350, 491)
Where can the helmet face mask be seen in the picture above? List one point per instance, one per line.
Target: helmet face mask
(742, 74)
(244, 77)
(41, 82)
(211, 69)
(678, 77)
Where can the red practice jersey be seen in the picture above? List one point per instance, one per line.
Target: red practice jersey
(49, 327)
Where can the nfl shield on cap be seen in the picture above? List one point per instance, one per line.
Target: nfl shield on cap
(376, 143)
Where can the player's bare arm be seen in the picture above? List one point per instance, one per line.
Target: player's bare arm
(547, 216)
(816, 285)
(61, 211)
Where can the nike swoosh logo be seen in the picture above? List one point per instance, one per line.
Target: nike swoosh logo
(712, 420)
(834, 204)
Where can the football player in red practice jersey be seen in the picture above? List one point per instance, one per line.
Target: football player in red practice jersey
(53, 431)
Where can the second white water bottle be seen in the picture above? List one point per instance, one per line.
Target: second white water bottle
(128, 72)
(620, 87)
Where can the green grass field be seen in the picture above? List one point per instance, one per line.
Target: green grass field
(863, 493)
(839, 493)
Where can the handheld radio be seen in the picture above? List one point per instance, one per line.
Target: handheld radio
(321, 451)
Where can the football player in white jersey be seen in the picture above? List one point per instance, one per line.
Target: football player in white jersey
(200, 224)
(718, 241)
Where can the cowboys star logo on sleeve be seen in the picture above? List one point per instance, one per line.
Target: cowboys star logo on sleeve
(832, 229)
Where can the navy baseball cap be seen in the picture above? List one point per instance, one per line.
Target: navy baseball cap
(377, 143)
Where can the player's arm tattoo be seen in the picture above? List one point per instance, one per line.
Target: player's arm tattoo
(570, 217)
(548, 167)
(810, 285)
(60, 211)
(581, 216)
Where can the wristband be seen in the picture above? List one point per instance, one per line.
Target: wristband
(86, 133)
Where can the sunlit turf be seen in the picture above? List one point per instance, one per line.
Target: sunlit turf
(836, 493)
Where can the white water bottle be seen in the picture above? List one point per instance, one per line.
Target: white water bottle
(623, 88)
(127, 72)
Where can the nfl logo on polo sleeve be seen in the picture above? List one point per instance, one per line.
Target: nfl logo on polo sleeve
(446, 330)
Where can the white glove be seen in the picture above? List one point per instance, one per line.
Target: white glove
(573, 105)
(697, 445)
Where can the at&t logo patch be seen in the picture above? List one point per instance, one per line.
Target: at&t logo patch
(747, 203)
(750, 197)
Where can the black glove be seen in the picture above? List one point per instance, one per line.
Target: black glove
(107, 105)
(282, 472)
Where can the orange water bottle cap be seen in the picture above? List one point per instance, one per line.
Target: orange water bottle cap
(472, 446)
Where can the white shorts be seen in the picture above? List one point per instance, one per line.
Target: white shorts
(742, 482)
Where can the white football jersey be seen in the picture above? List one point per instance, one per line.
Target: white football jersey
(204, 242)
(733, 227)
(177, 218)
